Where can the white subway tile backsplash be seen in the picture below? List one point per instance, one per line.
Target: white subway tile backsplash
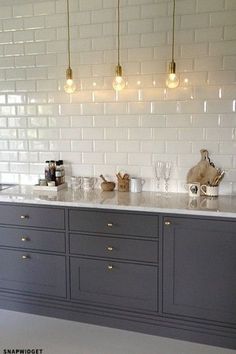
(97, 130)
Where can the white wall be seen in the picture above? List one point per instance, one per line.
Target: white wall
(95, 130)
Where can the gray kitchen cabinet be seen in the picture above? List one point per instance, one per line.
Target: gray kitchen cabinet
(113, 283)
(109, 279)
(172, 276)
(32, 273)
(199, 269)
(28, 243)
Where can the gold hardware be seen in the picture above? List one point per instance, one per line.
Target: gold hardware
(23, 239)
(109, 248)
(109, 225)
(24, 216)
(25, 257)
(110, 267)
(167, 223)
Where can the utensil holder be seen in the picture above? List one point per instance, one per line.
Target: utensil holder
(123, 185)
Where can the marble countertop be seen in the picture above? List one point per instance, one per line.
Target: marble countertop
(223, 206)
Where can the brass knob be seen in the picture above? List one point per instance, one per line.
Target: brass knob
(109, 248)
(109, 224)
(24, 216)
(25, 257)
(24, 239)
(167, 223)
(110, 267)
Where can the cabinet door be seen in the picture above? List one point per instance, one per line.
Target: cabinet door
(32, 273)
(114, 283)
(199, 269)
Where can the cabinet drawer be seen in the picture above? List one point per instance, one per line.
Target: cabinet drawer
(114, 283)
(120, 248)
(35, 273)
(113, 223)
(32, 216)
(32, 239)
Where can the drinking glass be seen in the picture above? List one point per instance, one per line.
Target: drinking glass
(159, 165)
(166, 174)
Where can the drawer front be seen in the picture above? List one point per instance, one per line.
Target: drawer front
(32, 239)
(113, 223)
(33, 273)
(120, 248)
(32, 216)
(114, 283)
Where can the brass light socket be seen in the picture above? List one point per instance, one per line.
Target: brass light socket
(118, 70)
(172, 67)
(69, 74)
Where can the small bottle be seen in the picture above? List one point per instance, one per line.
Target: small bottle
(58, 173)
(52, 170)
(62, 171)
(47, 172)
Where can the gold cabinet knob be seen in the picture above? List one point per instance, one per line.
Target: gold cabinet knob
(24, 257)
(110, 267)
(24, 239)
(109, 224)
(167, 223)
(109, 248)
(24, 217)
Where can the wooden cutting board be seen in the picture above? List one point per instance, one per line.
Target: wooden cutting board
(204, 172)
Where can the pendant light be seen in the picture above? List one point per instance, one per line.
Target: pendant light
(172, 80)
(118, 82)
(70, 86)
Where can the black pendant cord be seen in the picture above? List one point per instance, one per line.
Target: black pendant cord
(118, 31)
(173, 32)
(68, 32)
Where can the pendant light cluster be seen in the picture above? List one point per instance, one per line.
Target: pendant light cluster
(172, 80)
(118, 83)
(70, 86)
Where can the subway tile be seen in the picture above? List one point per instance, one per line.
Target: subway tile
(116, 133)
(104, 121)
(104, 146)
(128, 146)
(128, 121)
(220, 134)
(119, 158)
(194, 21)
(178, 147)
(191, 134)
(93, 133)
(209, 34)
(44, 8)
(81, 146)
(94, 158)
(210, 5)
(55, 145)
(153, 147)
(139, 159)
(221, 18)
(71, 133)
(24, 10)
(18, 145)
(140, 133)
(81, 121)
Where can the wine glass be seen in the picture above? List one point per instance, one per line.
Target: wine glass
(159, 165)
(166, 174)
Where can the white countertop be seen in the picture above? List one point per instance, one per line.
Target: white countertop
(223, 206)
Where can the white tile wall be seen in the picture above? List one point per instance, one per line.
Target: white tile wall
(96, 130)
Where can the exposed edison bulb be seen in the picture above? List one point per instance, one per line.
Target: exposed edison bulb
(118, 82)
(172, 80)
(70, 86)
